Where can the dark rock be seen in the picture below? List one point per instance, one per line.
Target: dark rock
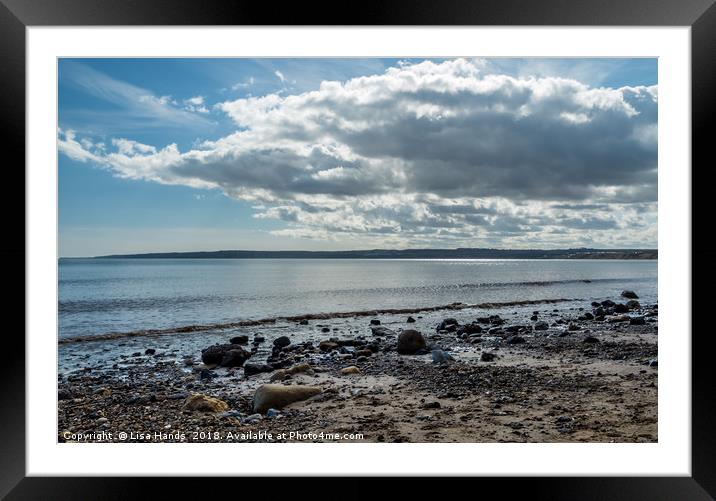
(486, 356)
(235, 358)
(534, 317)
(328, 346)
(590, 340)
(375, 321)
(483, 320)
(206, 374)
(633, 304)
(410, 341)
(382, 331)
(431, 405)
(653, 363)
(595, 304)
(325, 329)
(440, 356)
(629, 295)
(150, 351)
(621, 308)
(587, 316)
(410, 320)
(448, 324)
(214, 354)
(303, 322)
(573, 327)
(599, 312)
(242, 339)
(64, 394)
(541, 326)
(259, 339)
(515, 340)
(473, 328)
(281, 342)
(637, 321)
(494, 331)
(496, 320)
(252, 368)
(608, 303)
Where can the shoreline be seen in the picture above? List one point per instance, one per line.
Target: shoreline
(298, 318)
(510, 379)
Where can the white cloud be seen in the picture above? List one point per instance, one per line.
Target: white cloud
(280, 76)
(387, 156)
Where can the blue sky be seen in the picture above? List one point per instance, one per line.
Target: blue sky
(268, 155)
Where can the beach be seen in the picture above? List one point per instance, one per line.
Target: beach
(537, 370)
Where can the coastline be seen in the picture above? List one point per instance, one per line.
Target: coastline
(579, 380)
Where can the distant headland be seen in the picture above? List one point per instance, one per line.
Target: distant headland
(460, 253)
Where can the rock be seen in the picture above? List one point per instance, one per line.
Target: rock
(534, 318)
(494, 331)
(205, 403)
(541, 326)
(633, 304)
(303, 322)
(573, 327)
(590, 340)
(365, 352)
(483, 320)
(440, 357)
(431, 405)
(272, 413)
(382, 331)
(410, 320)
(350, 370)
(608, 304)
(325, 329)
(259, 339)
(629, 295)
(619, 318)
(447, 324)
(214, 354)
(235, 358)
(410, 341)
(102, 420)
(282, 374)
(281, 342)
(150, 351)
(230, 414)
(205, 375)
(496, 320)
(515, 340)
(621, 308)
(252, 419)
(277, 396)
(63, 394)
(637, 321)
(486, 356)
(256, 368)
(473, 328)
(241, 339)
(587, 316)
(327, 345)
(375, 321)
(653, 363)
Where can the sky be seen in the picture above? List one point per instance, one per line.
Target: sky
(162, 155)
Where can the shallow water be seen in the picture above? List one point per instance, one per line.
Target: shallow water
(97, 296)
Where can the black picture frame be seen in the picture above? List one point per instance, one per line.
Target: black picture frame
(16, 15)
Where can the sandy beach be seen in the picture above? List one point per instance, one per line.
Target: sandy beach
(529, 373)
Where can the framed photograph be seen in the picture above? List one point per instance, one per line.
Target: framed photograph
(419, 241)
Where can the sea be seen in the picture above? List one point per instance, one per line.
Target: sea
(100, 296)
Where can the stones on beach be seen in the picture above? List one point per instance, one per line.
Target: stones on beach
(620, 308)
(205, 403)
(240, 339)
(590, 340)
(515, 340)
(235, 358)
(487, 356)
(281, 342)
(472, 328)
(633, 304)
(282, 374)
(410, 320)
(410, 341)
(327, 346)
(375, 321)
(382, 331)
(441, 357)
(150, 351)
(541, 326)
(346, 371)
(637, 321)
(496, 320)
(448, 324)
(629, 294)
(64, 394)
(303, 322)
(618, 318)
(277, 396)
(573, 327)
(213, 355)
(253, 368)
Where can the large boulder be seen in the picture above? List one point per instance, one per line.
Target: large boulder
(410, 341)
(629, 295)
(213, 355)
(278, 396)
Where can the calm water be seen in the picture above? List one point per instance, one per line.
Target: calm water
(117, 295)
